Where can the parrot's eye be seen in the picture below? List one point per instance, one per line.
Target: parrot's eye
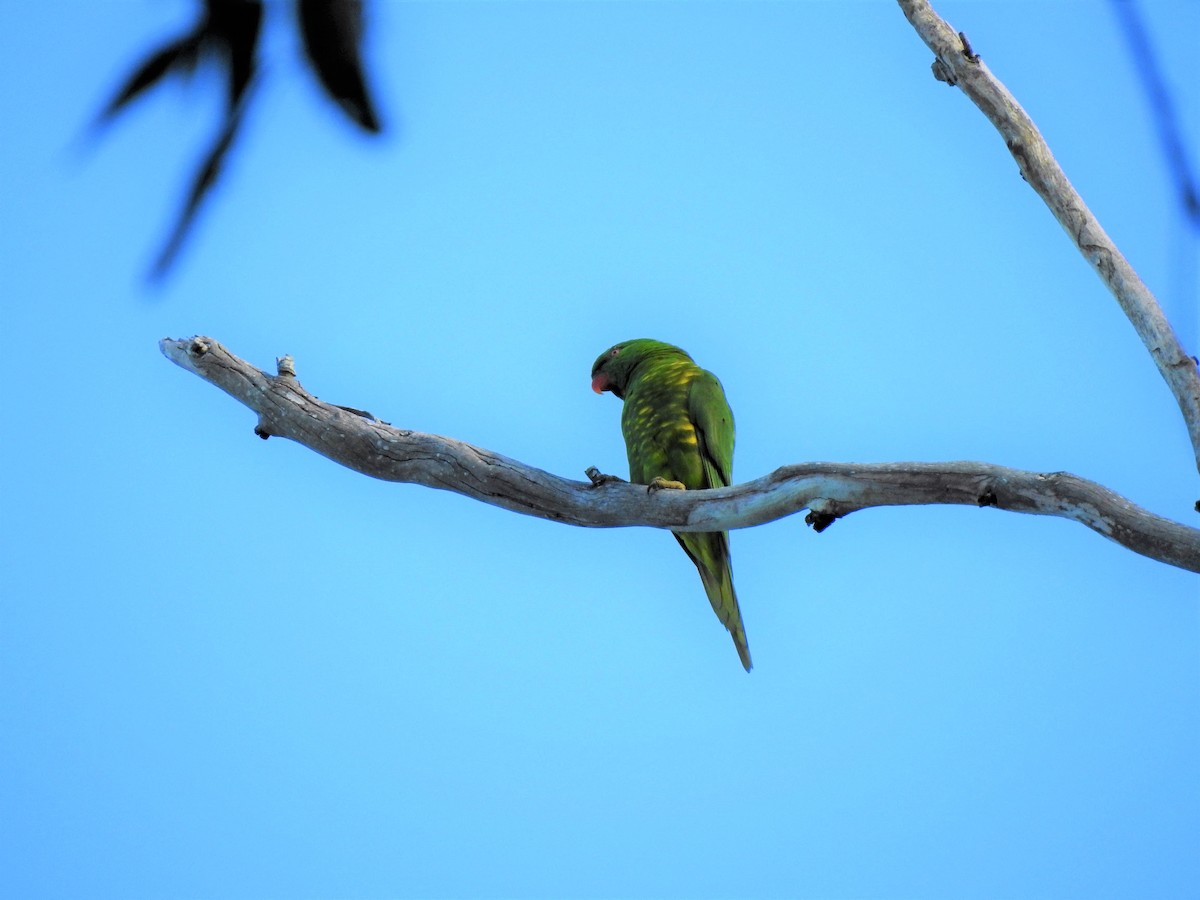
(614, 351)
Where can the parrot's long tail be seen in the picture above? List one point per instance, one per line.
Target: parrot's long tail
(719, 587)
(710, 553)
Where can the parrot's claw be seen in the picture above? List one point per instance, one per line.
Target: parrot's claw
(598, 478)
(662, 484)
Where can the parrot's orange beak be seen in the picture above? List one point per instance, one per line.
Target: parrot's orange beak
(599, 383)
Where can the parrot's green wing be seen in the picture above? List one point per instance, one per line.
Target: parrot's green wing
(710, 413)
(711, 417)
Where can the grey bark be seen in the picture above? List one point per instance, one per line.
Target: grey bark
(828, 490)
(957, 64)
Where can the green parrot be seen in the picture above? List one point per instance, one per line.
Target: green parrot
(679, 434)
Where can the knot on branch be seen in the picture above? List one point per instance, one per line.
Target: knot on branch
(598, 478)
(822, 513)
(968, 53)
(819, 521)
(944, 72)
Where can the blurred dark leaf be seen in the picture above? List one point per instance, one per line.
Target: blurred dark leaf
(233, 27)
(180, 54)
(205, 178)
(332, 32)
(227, 33)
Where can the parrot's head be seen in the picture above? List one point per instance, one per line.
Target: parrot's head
(614, 368)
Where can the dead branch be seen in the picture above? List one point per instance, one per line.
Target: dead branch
(828, 490)
(957, 64)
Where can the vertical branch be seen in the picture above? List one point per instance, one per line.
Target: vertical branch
(957, 65)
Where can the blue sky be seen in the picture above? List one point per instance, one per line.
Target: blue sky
(230, 668)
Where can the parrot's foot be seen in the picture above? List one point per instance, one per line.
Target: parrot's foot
(598, 478)
(662, 484)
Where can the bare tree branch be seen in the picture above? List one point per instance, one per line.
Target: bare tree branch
(829, 490)
(957, 64)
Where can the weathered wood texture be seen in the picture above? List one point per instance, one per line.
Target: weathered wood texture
(959, 65)
(828, 490)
